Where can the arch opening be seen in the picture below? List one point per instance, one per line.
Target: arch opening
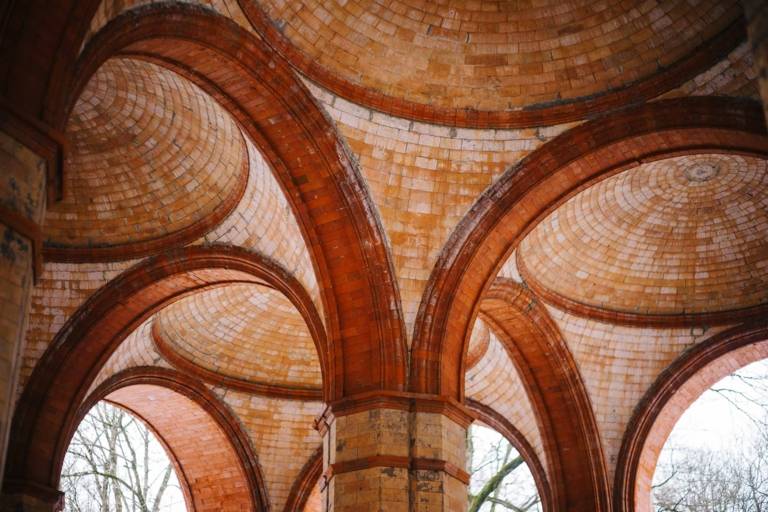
(681, 400)
(655, 416)
(115, 460)
(499, 473)
(717, 453)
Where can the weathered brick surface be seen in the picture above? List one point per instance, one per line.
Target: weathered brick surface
(735, 75)
(494, 55)
(424, 178)
(145, 130)
(136, 351)
(282, 434)
(208, 461)
(109, 9)
(62, 288)
(384, 459)
(22, 195)
(149, 146)
(264, 222)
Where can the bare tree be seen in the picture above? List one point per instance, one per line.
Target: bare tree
(713, 479)
(500, 473)
(112, 465)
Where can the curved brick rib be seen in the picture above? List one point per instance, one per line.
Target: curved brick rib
(64, 374)
(221, 473)
(526, 193)
(325, 190)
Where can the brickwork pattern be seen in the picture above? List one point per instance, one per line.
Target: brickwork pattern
(735, 75)
(246, 331)
(137, 350)
(378, 445)
(282, 434)
(61, 289)
(209, 462)
(495, 382)
(681, 235)
(423, 179)
(109, 9)
(491, 54)
(150, 154)
(264, 222)
(619, 364)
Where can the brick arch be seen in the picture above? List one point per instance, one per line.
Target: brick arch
(557, 393)
(64, 374)
(661, 407)
(527, 192)
(305, 483)
(221, 473)
(500, 424)
(328, 195)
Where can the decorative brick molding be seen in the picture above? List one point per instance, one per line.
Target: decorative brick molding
(557, 393)
(549, 500)
(701, 59)
(197, 490)
(65, 372)
(663, 404)
(728, 317)
(246, 386)
(401, 401)
(304, 484)
(526, 193)
(322, 184)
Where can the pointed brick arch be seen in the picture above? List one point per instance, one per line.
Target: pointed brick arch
(512, 206)
(675, 389)
(557, 393)
(222, 473)
(47, 408)
(327, 193)
(500, 424)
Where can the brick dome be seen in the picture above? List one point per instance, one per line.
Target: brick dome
(151, 156)
(494, 55)
(243, 331)
(679, 235)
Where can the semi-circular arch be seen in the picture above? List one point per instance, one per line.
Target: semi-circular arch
(675, 389)
(500, 424)
(222, 473)
(557, 393)
(57, 387)
(527, 192)
(328, 196)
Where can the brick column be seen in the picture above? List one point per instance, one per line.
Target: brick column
(756, 13)
(26, 156)
(400, 453)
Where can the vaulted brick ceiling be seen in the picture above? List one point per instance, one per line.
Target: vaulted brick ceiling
(157, 163)
(679, 235)
(151, 155)
(495, 54)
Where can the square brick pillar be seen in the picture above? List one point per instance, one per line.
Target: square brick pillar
(401, 453)
(29, 154)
